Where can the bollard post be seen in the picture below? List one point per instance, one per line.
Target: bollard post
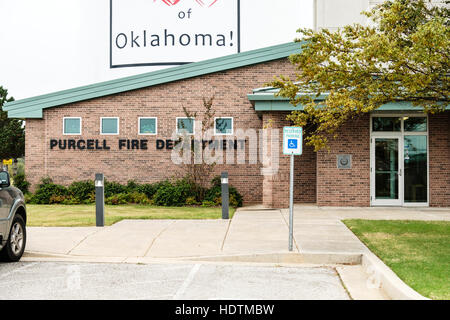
(99, 200)
(225, 195)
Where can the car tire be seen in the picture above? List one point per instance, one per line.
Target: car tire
(15, 245)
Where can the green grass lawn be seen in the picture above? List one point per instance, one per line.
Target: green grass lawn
(84, 215)
(417, 251)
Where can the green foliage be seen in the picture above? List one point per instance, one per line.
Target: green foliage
(12, 133)
(114, 188)
(149, 189)
(82, 190)
(215, 194)
(207, 203)
(169, 195)
(116, 199)
(21, 183)
(402, 56)
(46, 190)
(191, 201)
(165, 193)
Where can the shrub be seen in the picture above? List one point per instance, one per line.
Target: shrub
(215, 194)
(45, 190)
(207, 203)
(82, 190)
(138, 198)
(148, 189)
(191, 201)
(132, 186)
(168, 195)
(114, 188)
(21, 183)
(120, 198)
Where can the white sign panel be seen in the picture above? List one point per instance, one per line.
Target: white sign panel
(172, 32)
(292, 140)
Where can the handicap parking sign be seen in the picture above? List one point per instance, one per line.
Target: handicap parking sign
(292, 140)
(292, 144)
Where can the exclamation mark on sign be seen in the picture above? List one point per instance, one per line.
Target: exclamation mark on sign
(231, 38)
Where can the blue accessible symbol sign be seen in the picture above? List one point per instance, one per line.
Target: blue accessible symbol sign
(292, 140)
(292, 144)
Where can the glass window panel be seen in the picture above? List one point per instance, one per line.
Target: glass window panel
(224, 126)
(415, 163)
(72, 126)
(147, 126)
(415, 124)
(386, 168)
(185, 125)
(110, 126)
(386, 124)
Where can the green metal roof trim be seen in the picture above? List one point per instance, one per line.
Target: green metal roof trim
(32, 107)
(264, 99)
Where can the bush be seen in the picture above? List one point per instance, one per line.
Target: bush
(114, 188)
(82, 190)
(132, 186)
(168, 195)
(138, 198)
(120, 198)
(191, 201)
(215, 194)
(45, 190)
(148, 189)
(21, 183)
(207, 203)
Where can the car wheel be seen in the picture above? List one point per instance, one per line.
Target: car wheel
(15, 245)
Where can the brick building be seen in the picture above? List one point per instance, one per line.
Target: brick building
(125, 128)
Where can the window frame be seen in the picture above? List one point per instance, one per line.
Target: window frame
(109, 134)
(72, 134)
(193, 125)
(224, 134)
(147, 134)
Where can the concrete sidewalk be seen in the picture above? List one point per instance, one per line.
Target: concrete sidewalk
(252, 230)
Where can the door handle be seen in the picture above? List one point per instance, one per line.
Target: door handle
(400, 172)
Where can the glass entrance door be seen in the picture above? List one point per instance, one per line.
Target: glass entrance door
(399, 160)
(416, 169)
(386, 172)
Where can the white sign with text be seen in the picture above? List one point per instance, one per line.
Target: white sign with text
(172, 32)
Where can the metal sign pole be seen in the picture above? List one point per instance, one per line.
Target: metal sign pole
(291, 204)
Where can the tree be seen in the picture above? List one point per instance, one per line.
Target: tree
(401, 55)
(12, 133)
(198, 173)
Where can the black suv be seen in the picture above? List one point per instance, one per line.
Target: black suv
(13, 218)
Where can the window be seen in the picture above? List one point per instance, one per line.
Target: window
(109, 126)
(417, 124)
(148, 126)
(223, 126)
(72, 125)
(386, 124)
(185, 125)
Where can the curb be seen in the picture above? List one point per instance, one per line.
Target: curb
(382, 276)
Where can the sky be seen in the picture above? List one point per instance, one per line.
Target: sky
(52, 45)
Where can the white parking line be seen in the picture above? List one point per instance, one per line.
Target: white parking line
(187, 282)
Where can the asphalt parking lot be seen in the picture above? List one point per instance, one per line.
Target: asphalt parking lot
(61, 280)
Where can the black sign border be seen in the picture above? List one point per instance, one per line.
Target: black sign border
(111, 65)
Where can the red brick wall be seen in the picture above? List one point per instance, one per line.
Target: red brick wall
(346, 187)
(166, 102)
(439, 149)
(276, 187)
